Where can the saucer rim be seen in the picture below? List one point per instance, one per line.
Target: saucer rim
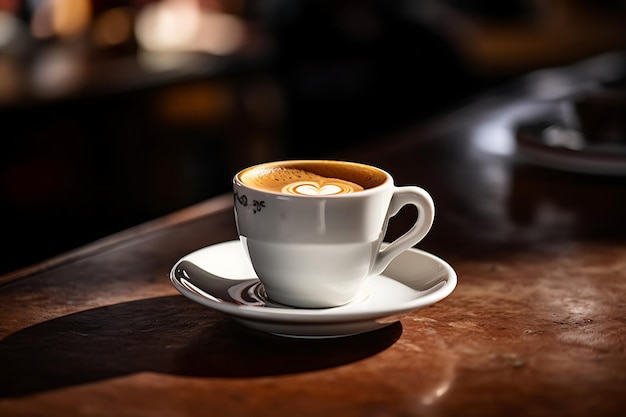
(332, 315)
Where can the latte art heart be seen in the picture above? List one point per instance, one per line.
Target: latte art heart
(310, 189)
(314, 188)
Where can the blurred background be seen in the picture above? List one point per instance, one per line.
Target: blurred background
(115, 112)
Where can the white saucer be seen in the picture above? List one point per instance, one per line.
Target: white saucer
(221, 277)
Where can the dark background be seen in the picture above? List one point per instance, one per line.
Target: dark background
(102, 129)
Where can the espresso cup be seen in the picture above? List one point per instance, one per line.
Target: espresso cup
(314, 229)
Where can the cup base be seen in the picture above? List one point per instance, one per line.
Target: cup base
(362, 295)
(307, 302)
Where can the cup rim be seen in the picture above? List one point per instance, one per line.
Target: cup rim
(388, 179)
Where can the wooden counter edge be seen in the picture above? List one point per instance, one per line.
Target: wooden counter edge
(204, 208)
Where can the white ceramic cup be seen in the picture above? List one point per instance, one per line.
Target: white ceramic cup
(315, 251)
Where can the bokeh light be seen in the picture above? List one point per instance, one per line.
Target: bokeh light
(9, 29)
(169, 25)
(113, 27)
(63, 18)
(184, 26)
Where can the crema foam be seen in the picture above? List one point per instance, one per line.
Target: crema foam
(312, 178)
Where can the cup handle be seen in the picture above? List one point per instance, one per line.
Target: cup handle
(402, 196)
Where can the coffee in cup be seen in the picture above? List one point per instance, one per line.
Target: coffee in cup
(312, 177)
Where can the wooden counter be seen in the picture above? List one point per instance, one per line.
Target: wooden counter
(535, 327)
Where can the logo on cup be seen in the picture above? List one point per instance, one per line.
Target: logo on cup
(256, 206)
